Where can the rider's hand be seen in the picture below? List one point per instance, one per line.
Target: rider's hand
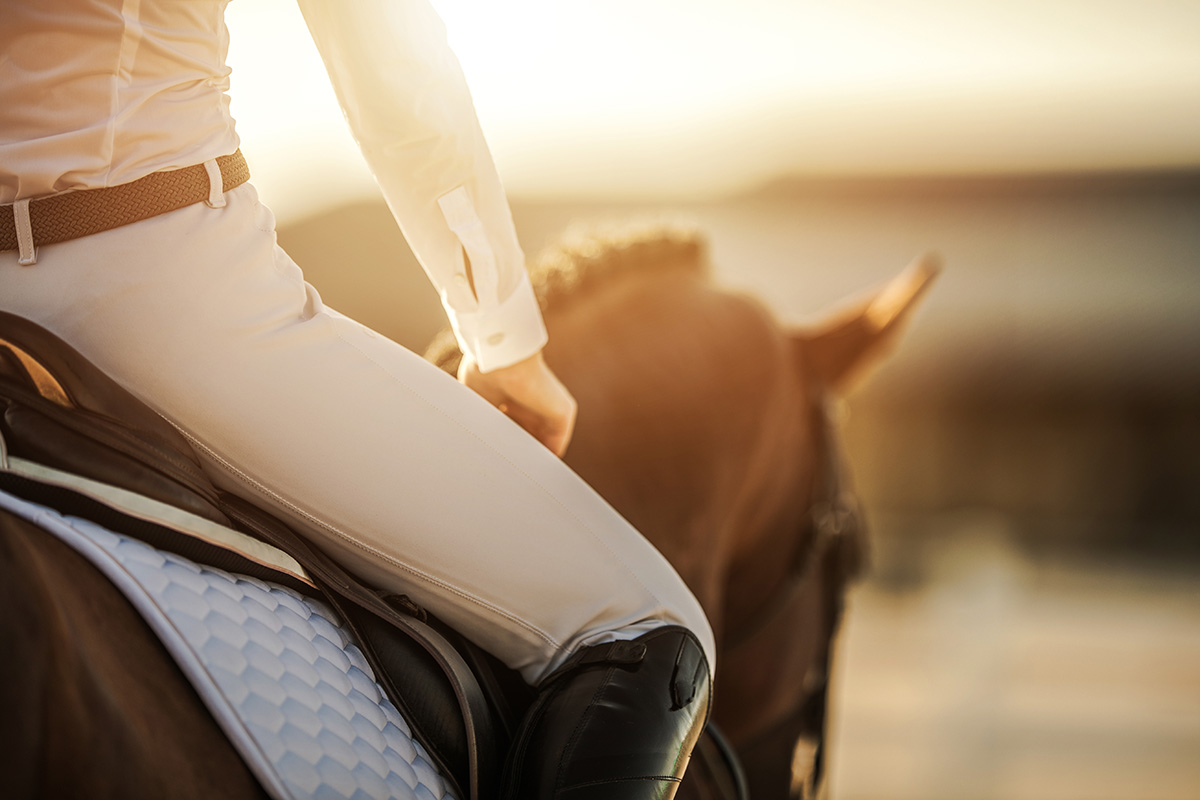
(530, 394)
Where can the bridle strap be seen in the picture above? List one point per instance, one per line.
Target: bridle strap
(834, 555)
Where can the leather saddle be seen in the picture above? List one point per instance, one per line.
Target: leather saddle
(62, 412)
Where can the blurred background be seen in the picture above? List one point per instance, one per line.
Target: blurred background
(1029, 458)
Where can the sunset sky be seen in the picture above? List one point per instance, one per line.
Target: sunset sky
(667, 99)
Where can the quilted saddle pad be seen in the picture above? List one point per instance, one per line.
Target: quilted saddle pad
(279, 671)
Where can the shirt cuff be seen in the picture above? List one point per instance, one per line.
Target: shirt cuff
(504, 334)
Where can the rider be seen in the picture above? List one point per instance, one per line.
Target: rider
(127, 229)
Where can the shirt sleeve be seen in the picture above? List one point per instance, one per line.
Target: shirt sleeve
(406, 100)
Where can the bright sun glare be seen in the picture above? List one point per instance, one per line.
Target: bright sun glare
(666, 98)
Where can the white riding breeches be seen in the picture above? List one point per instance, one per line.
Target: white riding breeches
(406, 477)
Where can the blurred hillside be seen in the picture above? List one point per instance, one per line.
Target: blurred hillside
(1053, 375)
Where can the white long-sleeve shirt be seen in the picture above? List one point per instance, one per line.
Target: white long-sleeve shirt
(102, 92)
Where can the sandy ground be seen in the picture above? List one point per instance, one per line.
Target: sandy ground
(1000, 676)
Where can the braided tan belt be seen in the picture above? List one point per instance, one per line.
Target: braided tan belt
(63, 217)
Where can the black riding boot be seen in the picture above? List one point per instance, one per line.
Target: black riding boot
(616, 722)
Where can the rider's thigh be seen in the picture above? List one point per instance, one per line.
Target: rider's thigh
(409, 479)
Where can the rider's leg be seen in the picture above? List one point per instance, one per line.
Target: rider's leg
(412, 481)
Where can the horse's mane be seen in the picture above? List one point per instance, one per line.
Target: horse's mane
(584, 260)
(587, 259)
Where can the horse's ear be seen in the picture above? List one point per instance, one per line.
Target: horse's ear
(839, 349)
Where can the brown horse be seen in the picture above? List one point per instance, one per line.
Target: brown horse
(702, 421)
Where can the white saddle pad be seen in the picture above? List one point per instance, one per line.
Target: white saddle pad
(278, 670)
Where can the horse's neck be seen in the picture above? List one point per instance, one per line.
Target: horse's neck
(691, 421)
(772, 534)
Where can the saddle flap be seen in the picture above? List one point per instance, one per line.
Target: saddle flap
(63, 373)
(62, 411)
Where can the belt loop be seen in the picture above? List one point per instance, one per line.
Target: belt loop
(27, 252)
(216, 186)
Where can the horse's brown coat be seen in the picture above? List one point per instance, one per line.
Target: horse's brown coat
(700, 439)
(93, 705)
